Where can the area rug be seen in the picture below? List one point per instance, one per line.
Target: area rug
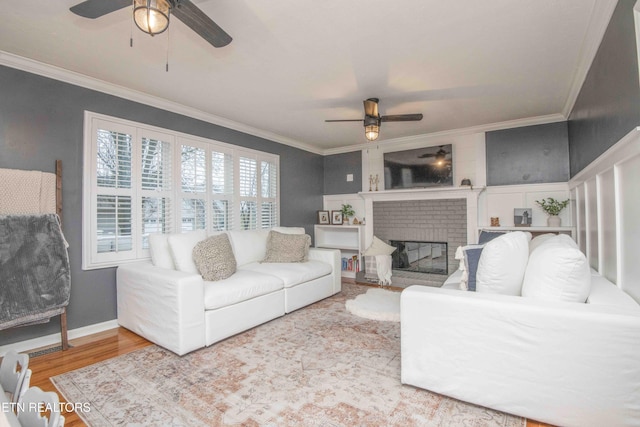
(318, 366)
(376, 304)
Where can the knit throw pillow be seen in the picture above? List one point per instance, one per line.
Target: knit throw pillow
(287, 247)
(214, 258)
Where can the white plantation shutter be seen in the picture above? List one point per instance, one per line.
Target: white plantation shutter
(268, 191)
(112, 233)
(193, 176)
(140, 180)
(156, 203)
(221, 191)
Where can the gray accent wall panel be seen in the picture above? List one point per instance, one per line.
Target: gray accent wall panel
(608, 106)
(41, 120)
(528, 155)
(336, 168)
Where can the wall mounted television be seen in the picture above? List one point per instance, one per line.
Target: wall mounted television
(419, 168)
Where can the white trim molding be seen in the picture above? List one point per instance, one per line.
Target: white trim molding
(53, 339)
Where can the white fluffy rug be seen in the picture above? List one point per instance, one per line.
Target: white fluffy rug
(376, 304)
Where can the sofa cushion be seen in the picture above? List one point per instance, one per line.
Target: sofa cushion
(214, 258)
(538, 240)
(249, 246)
(241, 286)
(160, 252)
(181, 246)
(289, 230)
(292, 273)
(379, 247)
(287, 247)
(603, 292)
(503, 263)
(557, 271)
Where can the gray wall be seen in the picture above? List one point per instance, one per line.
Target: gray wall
(336, 168)
(41, 120)
(608, 106)
(528, 155)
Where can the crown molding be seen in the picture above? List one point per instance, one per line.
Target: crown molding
(600, 17)
(510, 124)
(72, 77)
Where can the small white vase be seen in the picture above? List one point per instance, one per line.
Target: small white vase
(554, 221)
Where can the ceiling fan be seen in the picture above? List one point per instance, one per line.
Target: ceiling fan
(152, 16)
(439, 156)
(372, 119)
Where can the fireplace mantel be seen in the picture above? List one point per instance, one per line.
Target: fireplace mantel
(471, 194)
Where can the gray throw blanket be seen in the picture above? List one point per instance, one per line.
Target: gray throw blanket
(35, 280)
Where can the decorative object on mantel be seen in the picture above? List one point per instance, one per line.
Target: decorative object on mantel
(522, 217)
(373, 180)
(347, 212)
(336, 217)
(553, 207)
(495, 221)
(466, 182)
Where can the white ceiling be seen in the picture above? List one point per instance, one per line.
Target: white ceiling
(292, 64)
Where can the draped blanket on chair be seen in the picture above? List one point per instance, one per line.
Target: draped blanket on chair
(35, 278)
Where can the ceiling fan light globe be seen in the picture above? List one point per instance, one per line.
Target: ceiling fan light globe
(371, 132)
(151, 16)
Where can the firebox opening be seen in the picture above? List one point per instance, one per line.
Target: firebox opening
(421, 257)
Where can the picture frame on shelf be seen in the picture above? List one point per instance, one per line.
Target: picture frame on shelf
(522, 217)
(336, 217)
(323, 218)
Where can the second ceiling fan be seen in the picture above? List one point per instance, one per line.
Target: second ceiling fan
(372, 119)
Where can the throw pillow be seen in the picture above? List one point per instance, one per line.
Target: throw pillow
(287, 247)
(181, 247)
(471, 258)
(557, 271)
(539, 240)
(487, 236)
(214, 258)
(160, 252)
(379, 247)
(503, 263)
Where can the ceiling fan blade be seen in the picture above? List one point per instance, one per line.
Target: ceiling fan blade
(200, 23)
(351, 120)
(402, 118)
(96, 8)
(371, 107)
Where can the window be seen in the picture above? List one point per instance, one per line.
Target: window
(140, 180)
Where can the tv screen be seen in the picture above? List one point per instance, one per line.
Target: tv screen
(422, 167)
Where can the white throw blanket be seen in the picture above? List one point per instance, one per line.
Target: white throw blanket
(27, 192)
(383, 267)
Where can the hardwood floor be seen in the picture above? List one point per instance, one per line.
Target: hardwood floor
(92, 349)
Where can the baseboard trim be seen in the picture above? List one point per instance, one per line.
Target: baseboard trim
(53, 339)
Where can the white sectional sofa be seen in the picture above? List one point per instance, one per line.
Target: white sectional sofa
(181, 312)
(562, 362)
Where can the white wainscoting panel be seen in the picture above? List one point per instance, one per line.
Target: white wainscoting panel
(607, 201)
(591, 194)
(628, 174)
(607, 226)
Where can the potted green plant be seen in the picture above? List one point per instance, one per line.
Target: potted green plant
(552, 207)
(347, 212)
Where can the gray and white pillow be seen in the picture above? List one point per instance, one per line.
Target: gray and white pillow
(214, 258)
(287, 247)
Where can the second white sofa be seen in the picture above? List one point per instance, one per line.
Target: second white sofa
(170, 304)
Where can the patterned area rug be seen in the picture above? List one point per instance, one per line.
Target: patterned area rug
(318, 366)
